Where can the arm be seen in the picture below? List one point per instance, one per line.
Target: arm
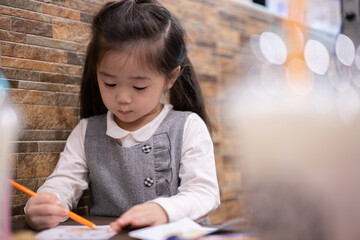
(70, 177)
(198, 193)
(64, 186)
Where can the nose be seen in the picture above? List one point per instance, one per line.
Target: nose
(123, 97)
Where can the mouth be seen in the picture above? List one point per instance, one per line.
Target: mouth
(125, 112)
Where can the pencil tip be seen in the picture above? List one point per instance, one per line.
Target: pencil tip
(94, 227)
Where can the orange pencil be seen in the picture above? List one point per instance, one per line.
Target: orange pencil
(71, 214)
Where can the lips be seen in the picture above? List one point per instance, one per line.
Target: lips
(125, 112)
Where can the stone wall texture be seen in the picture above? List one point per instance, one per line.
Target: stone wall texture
(42, 50)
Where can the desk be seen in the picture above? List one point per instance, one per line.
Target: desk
(19, 225)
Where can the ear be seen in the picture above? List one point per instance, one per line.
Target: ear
(173, 77)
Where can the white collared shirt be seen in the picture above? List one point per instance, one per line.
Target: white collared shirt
(198, 193)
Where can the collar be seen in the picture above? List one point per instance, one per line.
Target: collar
(140, 135)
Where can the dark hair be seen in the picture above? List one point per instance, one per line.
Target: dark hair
(147, 29)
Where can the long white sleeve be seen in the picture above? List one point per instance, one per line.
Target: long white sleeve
(198, 193)
(70, 177)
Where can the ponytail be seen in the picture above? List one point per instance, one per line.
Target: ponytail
(185, 94)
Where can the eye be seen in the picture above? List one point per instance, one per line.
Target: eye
(109, 84)
(139, 88)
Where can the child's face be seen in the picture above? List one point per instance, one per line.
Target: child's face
(131, 92)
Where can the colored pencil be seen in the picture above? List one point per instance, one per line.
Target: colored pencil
(71, 214)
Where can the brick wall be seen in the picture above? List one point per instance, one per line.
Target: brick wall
(42, 48)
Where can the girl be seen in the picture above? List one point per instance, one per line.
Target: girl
(147, 162)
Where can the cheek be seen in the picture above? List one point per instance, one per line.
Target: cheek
(105, 95)
(102, 94)
(148, 99)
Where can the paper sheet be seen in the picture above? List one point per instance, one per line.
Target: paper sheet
(185, 228)
(75, 232)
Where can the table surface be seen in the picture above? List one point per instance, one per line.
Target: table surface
(19, 225)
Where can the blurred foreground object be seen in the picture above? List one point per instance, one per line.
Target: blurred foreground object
(303, 170)
(8, 127)
(24, 235)
(300, 156)
(297, 121)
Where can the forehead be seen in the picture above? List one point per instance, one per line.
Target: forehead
(127, 58)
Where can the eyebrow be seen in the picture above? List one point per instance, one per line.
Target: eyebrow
(133, 77)
(107, 74)
(140, 78)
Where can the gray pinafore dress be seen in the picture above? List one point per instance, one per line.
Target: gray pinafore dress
(120, 177)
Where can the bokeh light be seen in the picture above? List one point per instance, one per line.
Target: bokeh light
(316, 57)
(273, 48)
(345, 49)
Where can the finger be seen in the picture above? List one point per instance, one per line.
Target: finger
(124, 221)
(114, 227)
(139, 218)
(50, 197)
(127, 218)
(142, 215)
(47, 210)
(44, 198)
(139, 222)
(142, 220)
(43, 222)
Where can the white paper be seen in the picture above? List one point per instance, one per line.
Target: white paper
(185, 228)
(75, 232)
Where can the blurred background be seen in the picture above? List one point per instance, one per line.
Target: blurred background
(43, 45)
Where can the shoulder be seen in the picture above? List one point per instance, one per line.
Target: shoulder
(75, 141)
(195, 128)
(80, 128)
(194, 121)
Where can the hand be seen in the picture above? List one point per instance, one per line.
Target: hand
(147, 214)
(44, 211)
